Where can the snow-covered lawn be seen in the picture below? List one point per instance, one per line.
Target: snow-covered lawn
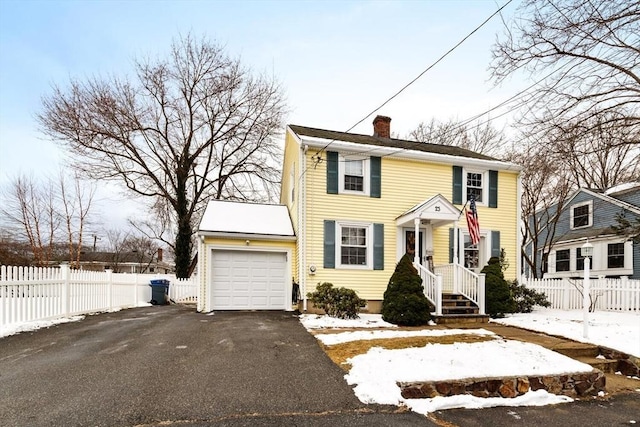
(375, 373)
(620, 331)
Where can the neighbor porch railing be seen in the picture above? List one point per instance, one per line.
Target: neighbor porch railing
(459, 280)
(432, 284)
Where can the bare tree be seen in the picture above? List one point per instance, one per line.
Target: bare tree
(545, 188)
(480, 137)
(46, 213)
(592, 153)
(30, 208)
(591, 48)
(194, 126)
(76, 203)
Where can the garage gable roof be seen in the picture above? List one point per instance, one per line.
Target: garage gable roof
(223, 217)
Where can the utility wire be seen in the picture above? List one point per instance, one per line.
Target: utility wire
(317, 155)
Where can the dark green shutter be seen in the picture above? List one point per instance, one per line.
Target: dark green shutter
(329, 244)
(493, 189)
(457, 185)
(378, 246)
(495, 244)
(376, 177)
(332, 172)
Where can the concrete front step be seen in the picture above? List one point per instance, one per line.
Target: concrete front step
(577, 349)
(461, 318)
(608, 366)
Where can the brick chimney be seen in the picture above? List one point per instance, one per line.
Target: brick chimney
(382, 126)
(159, 254)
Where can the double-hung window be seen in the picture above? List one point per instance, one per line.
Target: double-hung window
(581, 215)
(579, 259)
(475, 186)
(353, 245)
(615, 255)
(563, 258)
(354, 175)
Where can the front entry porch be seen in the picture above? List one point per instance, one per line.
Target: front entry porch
(455, 291)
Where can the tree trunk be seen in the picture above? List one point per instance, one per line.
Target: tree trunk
(183, 238)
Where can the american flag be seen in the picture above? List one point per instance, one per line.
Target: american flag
(472, 222)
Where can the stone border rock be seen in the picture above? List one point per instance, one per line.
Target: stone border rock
(627, 365)
(573, 385)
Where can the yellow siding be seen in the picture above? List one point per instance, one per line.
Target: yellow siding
(405, 183)
(291, 164)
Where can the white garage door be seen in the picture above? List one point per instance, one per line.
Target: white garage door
(247, 280)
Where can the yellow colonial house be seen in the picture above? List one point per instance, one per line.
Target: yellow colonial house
(355, 204)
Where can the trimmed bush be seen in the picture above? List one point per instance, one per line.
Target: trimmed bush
(342, 303)
(498, 298)
(526, 298)
(404, 302)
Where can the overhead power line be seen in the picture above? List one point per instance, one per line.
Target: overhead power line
(419, 75)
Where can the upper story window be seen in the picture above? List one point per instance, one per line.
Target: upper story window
(563, 258)
(354, 175)
(475, 187)
(615, 255)
(582, 215)
(353, 245)
(292, 184)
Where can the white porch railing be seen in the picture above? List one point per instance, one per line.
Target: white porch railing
(458, 280)
(432, 284)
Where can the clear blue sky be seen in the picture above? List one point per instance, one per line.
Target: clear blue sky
(337, 60)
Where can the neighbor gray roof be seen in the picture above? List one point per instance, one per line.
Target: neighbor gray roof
(400, 144)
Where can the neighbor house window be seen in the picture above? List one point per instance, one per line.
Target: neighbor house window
(579, 259)
(353, 245)
(615, 255)
(354, 175)
(562, 260)
(581, 215)
(474, 186)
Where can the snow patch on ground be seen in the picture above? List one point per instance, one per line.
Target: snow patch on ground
(617, 330)
(375, 373)
(16, 328)
(314, 321)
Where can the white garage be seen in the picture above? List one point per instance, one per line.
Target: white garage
(248, 280)
(245, 255)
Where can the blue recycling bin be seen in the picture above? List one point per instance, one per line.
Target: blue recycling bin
(159, 291)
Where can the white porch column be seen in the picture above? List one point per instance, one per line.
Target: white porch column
(416, 242)
(455, 257)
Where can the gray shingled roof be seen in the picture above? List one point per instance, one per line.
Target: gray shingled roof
(388, 142)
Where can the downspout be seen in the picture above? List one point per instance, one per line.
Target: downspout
(519, 272)
(302, 226)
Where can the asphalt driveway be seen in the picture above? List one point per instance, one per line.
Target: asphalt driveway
(169, 365)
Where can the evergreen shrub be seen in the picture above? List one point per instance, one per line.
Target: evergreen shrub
(525, 298)
(498, 298)
(404, 301)
(342, 303)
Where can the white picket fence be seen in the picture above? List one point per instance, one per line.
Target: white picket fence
(609, 294)
(34, 293)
